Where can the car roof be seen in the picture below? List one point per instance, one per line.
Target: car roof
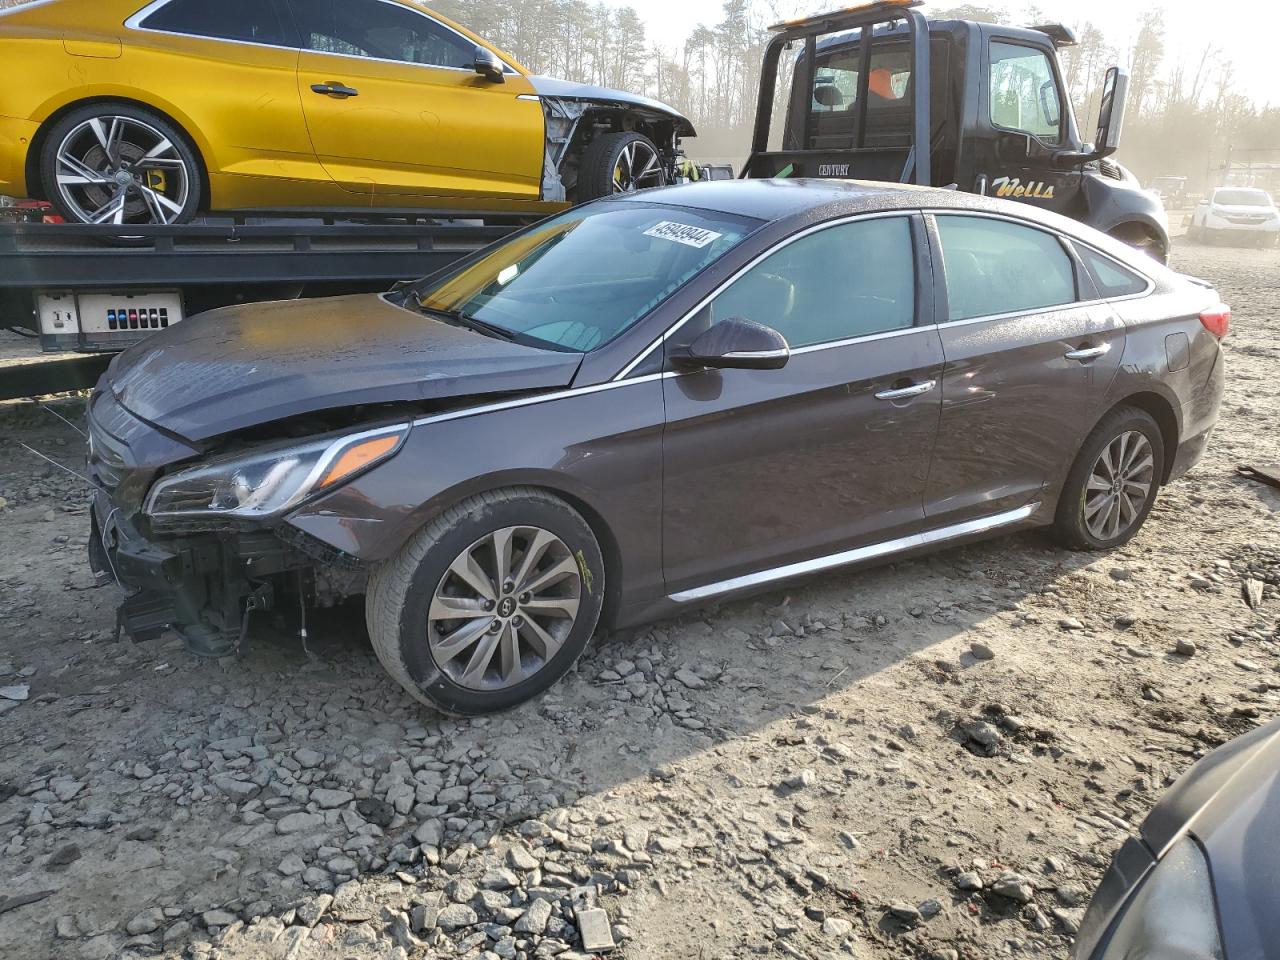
(778, 199)
(815, 199)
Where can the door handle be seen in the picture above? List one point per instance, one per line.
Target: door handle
(339, 90)
(1088, 353)
(906, 393)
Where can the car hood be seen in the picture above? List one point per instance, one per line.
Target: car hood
(570, 90)
(246, 365)
(1230, 801)
(1236, 210)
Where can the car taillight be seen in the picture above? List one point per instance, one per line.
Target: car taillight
(1217, 320)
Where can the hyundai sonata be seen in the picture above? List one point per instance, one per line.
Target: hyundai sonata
(641, 404)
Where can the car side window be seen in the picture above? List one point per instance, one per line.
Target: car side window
(845, 281)
(249, 21)
(1111, 279)
(1024, 91)
(997, 267)
(380, 31)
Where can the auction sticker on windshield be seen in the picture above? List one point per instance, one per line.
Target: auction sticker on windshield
(683, 233)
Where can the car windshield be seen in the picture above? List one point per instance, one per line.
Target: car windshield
(1242, 198)
(579, 280)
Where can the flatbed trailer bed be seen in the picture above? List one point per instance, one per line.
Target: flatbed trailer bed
(61, 282)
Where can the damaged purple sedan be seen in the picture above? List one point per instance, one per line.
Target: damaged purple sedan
(642, 404)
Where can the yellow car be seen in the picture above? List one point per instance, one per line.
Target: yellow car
(118, 112)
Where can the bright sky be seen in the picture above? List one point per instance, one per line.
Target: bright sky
(1247, 31)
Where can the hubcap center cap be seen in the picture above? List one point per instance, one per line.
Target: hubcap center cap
(124, 178)
(507, 606)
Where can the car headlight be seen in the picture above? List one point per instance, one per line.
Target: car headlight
(264, 483)
(1172, 916)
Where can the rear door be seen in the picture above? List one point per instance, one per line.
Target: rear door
(394, 106)
(767, 468)
(1028, 349)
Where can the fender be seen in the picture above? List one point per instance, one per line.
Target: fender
(1110, 203)
(64, 101)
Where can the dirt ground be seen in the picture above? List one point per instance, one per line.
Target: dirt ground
(934, 759)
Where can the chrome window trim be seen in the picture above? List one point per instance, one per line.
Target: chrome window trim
(135, 23)
(926, 211)
(869, 552)
(539, 398)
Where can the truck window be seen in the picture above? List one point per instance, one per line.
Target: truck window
(833, 102)
(1024, 91)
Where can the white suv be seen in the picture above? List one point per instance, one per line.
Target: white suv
(1237, 213)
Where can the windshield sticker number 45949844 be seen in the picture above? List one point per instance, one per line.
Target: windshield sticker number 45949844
(682, 233)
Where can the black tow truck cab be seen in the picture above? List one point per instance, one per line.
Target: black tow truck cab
(879, 92)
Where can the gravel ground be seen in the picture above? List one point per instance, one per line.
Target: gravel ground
(934, 759)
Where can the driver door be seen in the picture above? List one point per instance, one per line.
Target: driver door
(395, 107)
(764, 468)
(1024, 121)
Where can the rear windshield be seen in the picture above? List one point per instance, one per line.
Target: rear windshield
(1242, 198)
(578, 280)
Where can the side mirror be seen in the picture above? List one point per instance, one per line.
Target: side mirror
(738, 344)
(489, 66)
(1115, 93)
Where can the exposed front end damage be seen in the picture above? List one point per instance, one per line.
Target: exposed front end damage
(202, 453)
(206, 580)
(576, 114)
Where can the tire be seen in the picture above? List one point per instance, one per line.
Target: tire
(1137, 236)
(408, 593)
(619, 163)
(105, 144)
(1077, 522)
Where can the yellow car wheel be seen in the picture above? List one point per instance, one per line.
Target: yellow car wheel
(113, 163)
(619, 163)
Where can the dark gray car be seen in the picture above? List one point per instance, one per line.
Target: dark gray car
(642, 404)
(1201, 880)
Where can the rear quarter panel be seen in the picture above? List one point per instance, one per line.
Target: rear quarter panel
(1168, 352)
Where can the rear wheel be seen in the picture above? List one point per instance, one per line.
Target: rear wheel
(113, 163)
(1113, 483)
(490, 604)
(620, 163)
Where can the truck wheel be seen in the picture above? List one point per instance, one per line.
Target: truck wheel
(1140, 238)
(1113, 483)
(619, 163)
(113, 163)
(489, 604)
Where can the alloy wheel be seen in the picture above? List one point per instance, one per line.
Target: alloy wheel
(1119, 486)
(637, 168)
(121, 170)
(504, 608)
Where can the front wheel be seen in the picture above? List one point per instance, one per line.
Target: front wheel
(117, 164)
(620, 163)
(490, 604)
(1142, 240)
(1113, 483)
